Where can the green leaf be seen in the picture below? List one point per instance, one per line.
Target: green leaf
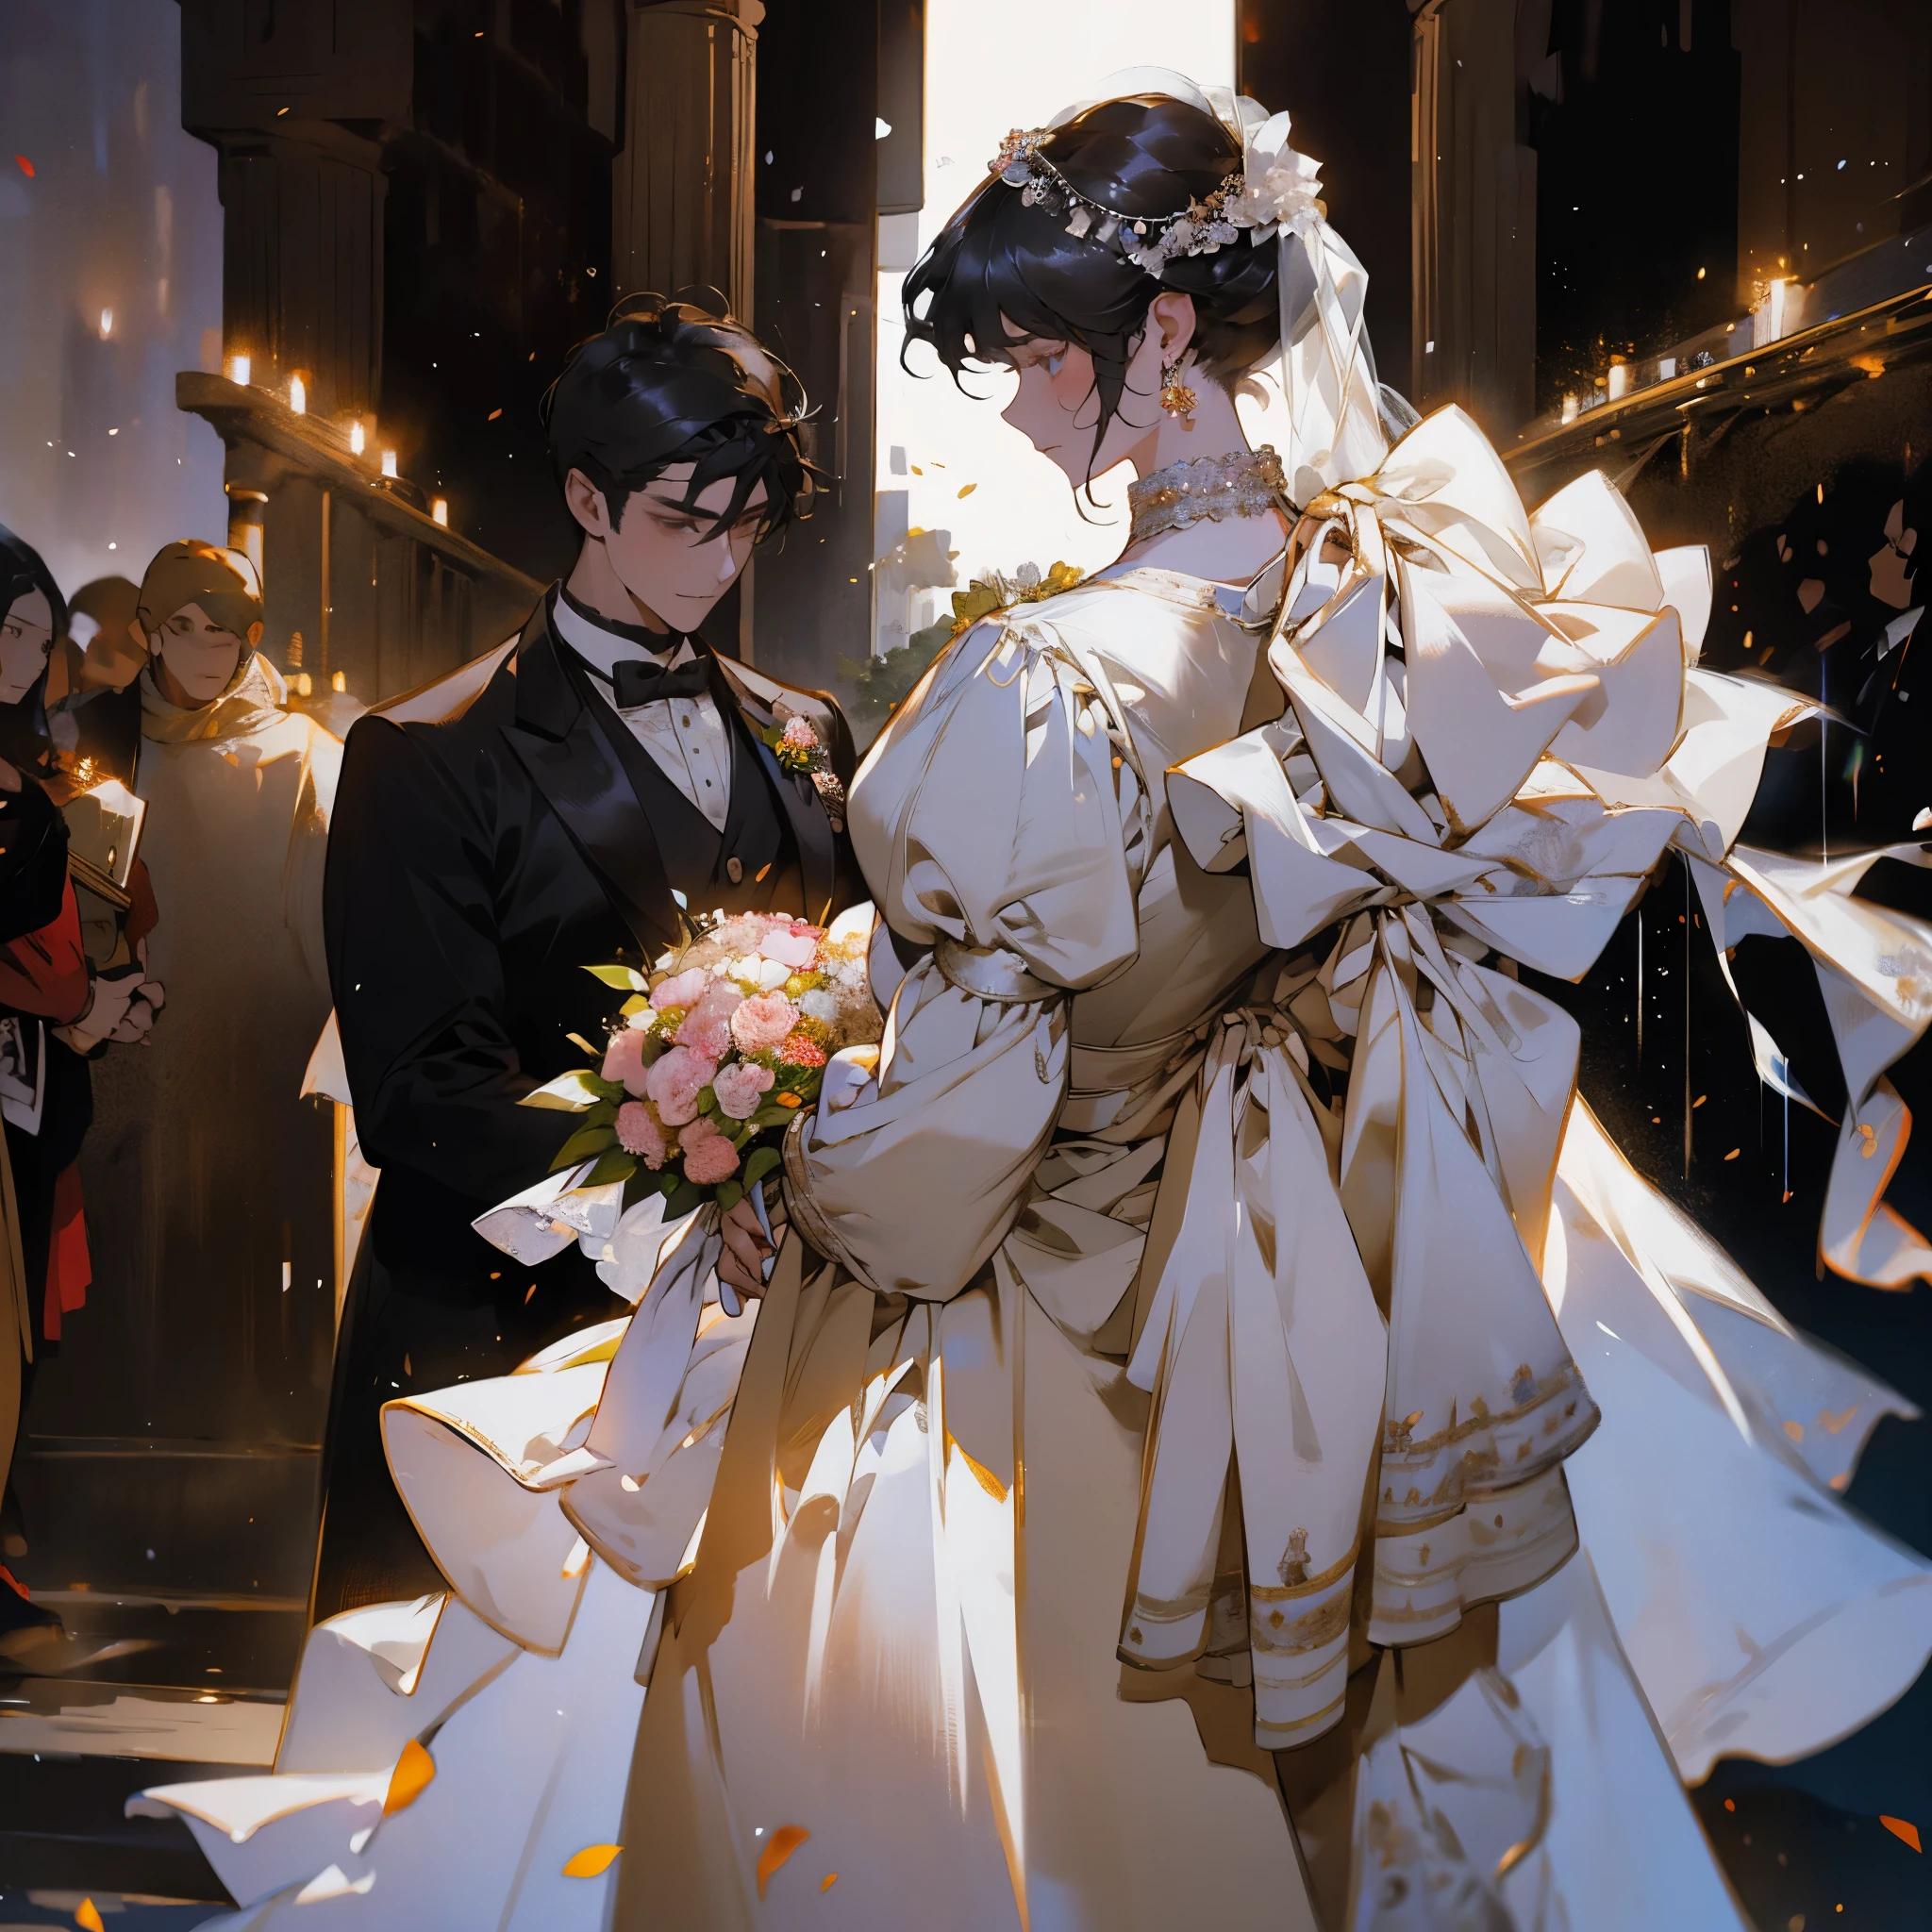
(770, 1116)
(636, 1004)
(614, 1166)
(707, 1101)
(582, 1145)
(685, 1195)
(625, 979)
(603, 1115)
(762, 1162)
(729, 1195)
(570, 1092)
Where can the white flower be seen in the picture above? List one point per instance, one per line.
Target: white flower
(819, 1005)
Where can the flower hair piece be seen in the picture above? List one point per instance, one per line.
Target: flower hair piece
(1276, 187)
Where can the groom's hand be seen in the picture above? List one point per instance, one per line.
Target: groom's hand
(742, 1263)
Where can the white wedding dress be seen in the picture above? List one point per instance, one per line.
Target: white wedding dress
(1218, 1291)
(1119, 1304)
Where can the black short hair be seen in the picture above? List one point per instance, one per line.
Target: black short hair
(1000, 254)
(22, 571)
(677, 379)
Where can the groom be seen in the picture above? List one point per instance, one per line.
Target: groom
(574, 789)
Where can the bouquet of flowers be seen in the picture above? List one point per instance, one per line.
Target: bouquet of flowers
(712, 1055)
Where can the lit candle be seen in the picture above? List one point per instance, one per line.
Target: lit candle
(356, 438)
(389, 463)
(107, 323)
(237, 370)
(438, 511)
(298, 396)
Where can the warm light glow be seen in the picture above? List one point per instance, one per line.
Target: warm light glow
(389, 463)
(1768, 312)
(340, 681)
(305, 685)
(107, 323)
(976, 90)
(298, 395)
(237, 370)
(356, 438)
(1620, 380)
(1570, 409)
(438, 511)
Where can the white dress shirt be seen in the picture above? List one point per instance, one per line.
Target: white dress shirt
(686, 736)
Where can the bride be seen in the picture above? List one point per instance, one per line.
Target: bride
(1229, 1440)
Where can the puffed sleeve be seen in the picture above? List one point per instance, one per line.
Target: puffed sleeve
(1002, 823)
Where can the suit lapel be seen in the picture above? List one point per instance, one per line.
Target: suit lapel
(817, 851)
(559, 744)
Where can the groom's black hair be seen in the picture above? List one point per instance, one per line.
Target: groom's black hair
(678, 379)
(1000, 256)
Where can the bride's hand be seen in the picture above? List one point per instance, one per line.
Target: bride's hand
(742, 1266)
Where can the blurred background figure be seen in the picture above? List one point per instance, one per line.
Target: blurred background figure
(58, 1009)
(224, 1170)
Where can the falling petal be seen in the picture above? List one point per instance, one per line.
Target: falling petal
(26, 168)
(1831, 1424)
(591, 1862)
(1900, 1828)
(967, 489)
(785, 1840)
(826, 1883)
(411, 1778)
(88, 1916)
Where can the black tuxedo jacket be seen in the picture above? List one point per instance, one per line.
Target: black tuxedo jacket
(477, 865)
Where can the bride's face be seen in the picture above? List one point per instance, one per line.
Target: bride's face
(1056, 404)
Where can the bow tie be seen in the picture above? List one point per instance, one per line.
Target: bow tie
(634, 682)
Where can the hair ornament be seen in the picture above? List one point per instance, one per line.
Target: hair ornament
(1275, 187)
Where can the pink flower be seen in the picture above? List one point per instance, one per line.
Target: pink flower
(676, 1080)
(738, 1087)
(623, 1060)
(709, 1154)
(681, 990)
(794, 949)
(639, 1133)
(798, 731)
(760, 1023)
(740, 934)
(707, 1025)
(801, 1050)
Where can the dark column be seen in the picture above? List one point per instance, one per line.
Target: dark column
(683, 180)
(818, 157)
(1474, 332)
(1344, 78)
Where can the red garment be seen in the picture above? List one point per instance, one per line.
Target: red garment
(45, 973)
(70, 1267)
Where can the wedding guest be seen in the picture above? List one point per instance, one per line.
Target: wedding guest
(219, 1173)
(56, 1008)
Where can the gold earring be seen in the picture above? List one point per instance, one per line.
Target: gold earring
(1177, 398)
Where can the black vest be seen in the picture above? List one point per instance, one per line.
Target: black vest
(697, 857)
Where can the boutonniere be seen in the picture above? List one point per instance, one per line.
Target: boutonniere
(799, 749)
